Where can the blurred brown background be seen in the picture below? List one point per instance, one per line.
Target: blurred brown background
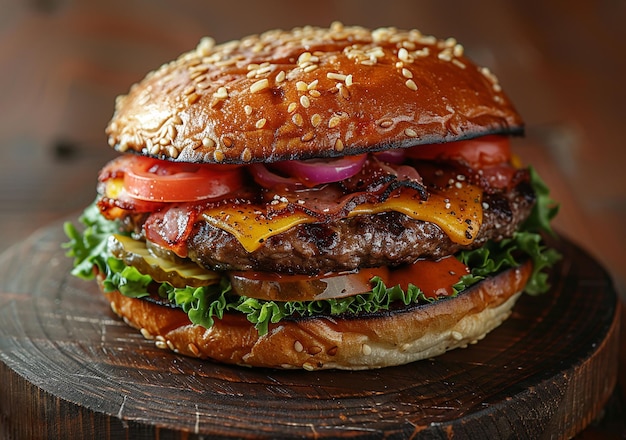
(62, 63)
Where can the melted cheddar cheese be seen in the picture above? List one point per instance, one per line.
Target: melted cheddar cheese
(457, 211)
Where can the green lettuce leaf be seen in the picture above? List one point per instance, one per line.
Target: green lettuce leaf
(89, 248)
(545, 208)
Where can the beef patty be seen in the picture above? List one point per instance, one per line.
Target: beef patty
(389, 238)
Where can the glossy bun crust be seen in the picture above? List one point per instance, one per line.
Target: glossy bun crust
(310, 92)
(386, 339)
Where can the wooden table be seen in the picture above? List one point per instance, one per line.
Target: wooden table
(563, 63)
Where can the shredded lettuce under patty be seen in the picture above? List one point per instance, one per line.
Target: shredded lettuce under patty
(206, 303)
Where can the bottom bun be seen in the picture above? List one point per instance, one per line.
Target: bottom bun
(349, 343)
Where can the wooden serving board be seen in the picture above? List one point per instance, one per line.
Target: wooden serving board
(70, 369)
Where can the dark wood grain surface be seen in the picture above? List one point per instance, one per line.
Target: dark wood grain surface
(64, 61)
(546, 372)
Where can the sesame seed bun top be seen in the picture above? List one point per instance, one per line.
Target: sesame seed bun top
(310, 92)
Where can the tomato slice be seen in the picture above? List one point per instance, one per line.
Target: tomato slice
(162, 181)
(478, 153)
(434, 278)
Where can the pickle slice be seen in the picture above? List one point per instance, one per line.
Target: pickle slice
(178, 274)
(276, 287)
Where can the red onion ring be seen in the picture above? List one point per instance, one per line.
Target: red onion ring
(395, 156)
(267, 179)
(314, 172)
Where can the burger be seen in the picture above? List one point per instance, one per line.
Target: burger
(316, 198)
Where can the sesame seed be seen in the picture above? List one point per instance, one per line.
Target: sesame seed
(193, 97)
(218, 155)
(160, 345)
(348, 80)
(292, 107)
(228, 142)
(221, 93)
(310, 68)
(367, 350)
(316, 120)
(261, 123)
(189, 90)
(265, 68)
(280, 77)
(403, 54)
(345, 93)
(197, 74)
(305, 101)
(334, 121)
(193, 349)
(205, 46)
(315, 93)
(248, 110)
(307, 366)
(485, 205)
(146, 334)
(301, 86)
(261, 84)
(456, 336)
(208, 142)
(410, 132)
(458, 63)
(298, 120)
(385, 123)
(246, 155)
(307, 136)
(171, 131)
(172, 152)
(154, 149)
(226, 62)
(304, 57)
(459, 185)
(411, 84)
(338, 145)
(297, 346)
(445, 55)
(422, 53)
(450, 42)
(458, 50)
(407, 73)
(312, 85)
(336, 76)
